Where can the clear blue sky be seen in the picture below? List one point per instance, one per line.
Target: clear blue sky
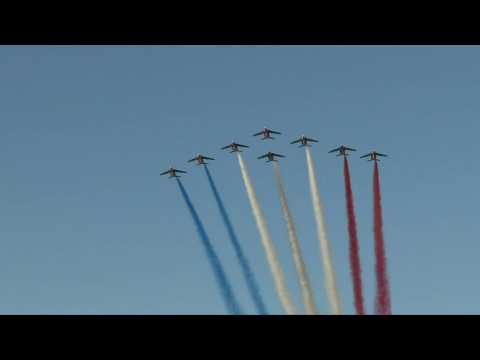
(88, 225)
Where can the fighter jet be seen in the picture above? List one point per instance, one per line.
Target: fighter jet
(200, 159)
(342, 150)
(270, 156)
(234, 146)
(373, 156)
(266, 133)
(173, 172)
(303, 140)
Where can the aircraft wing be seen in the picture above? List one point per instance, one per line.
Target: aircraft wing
(259, 133)
(350, 149)
(331, 151)
(195, 158)
(208, 158)
(275, 132)
(226, 147)
(181, 171)
(164, 173)
(364, 156)
(278, 155)
(240, 145)
(296, 141)
(263, 156)
(311, 139)
(381, 154)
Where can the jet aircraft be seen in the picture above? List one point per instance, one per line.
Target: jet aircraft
(172, 172)
(342, 150)
(266, 133)
(200, 159)
(303, 140)
(373, 156)
(234, 147)
(270, 156)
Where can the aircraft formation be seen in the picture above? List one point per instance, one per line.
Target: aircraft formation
(382, 299)
(266, 133)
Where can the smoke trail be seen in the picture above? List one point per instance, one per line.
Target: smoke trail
(244, 264)
(355, 268)
(275, 267)
(329, 272)
(307, 293)
(227, 292)
(382, 301)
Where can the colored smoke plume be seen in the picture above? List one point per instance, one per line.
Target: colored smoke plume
(273, 262)
(242, 259)
(307, 293)
(355, 267)
(329, 272)
(382, 301)
(229, 299)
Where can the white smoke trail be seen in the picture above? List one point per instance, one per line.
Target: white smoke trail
(329, 272)
(272, 259)
(307, 293)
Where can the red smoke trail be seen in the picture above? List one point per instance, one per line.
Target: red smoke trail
(382, 301)
(352, 233)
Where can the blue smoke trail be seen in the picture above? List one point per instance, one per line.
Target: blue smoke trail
(247, 271)
(227, 292)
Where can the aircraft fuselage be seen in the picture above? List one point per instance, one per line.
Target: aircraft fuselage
(267, 135)
(304, 141)
(271, 157)
(235, 148)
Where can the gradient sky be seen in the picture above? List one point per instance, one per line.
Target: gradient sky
(89, 227)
